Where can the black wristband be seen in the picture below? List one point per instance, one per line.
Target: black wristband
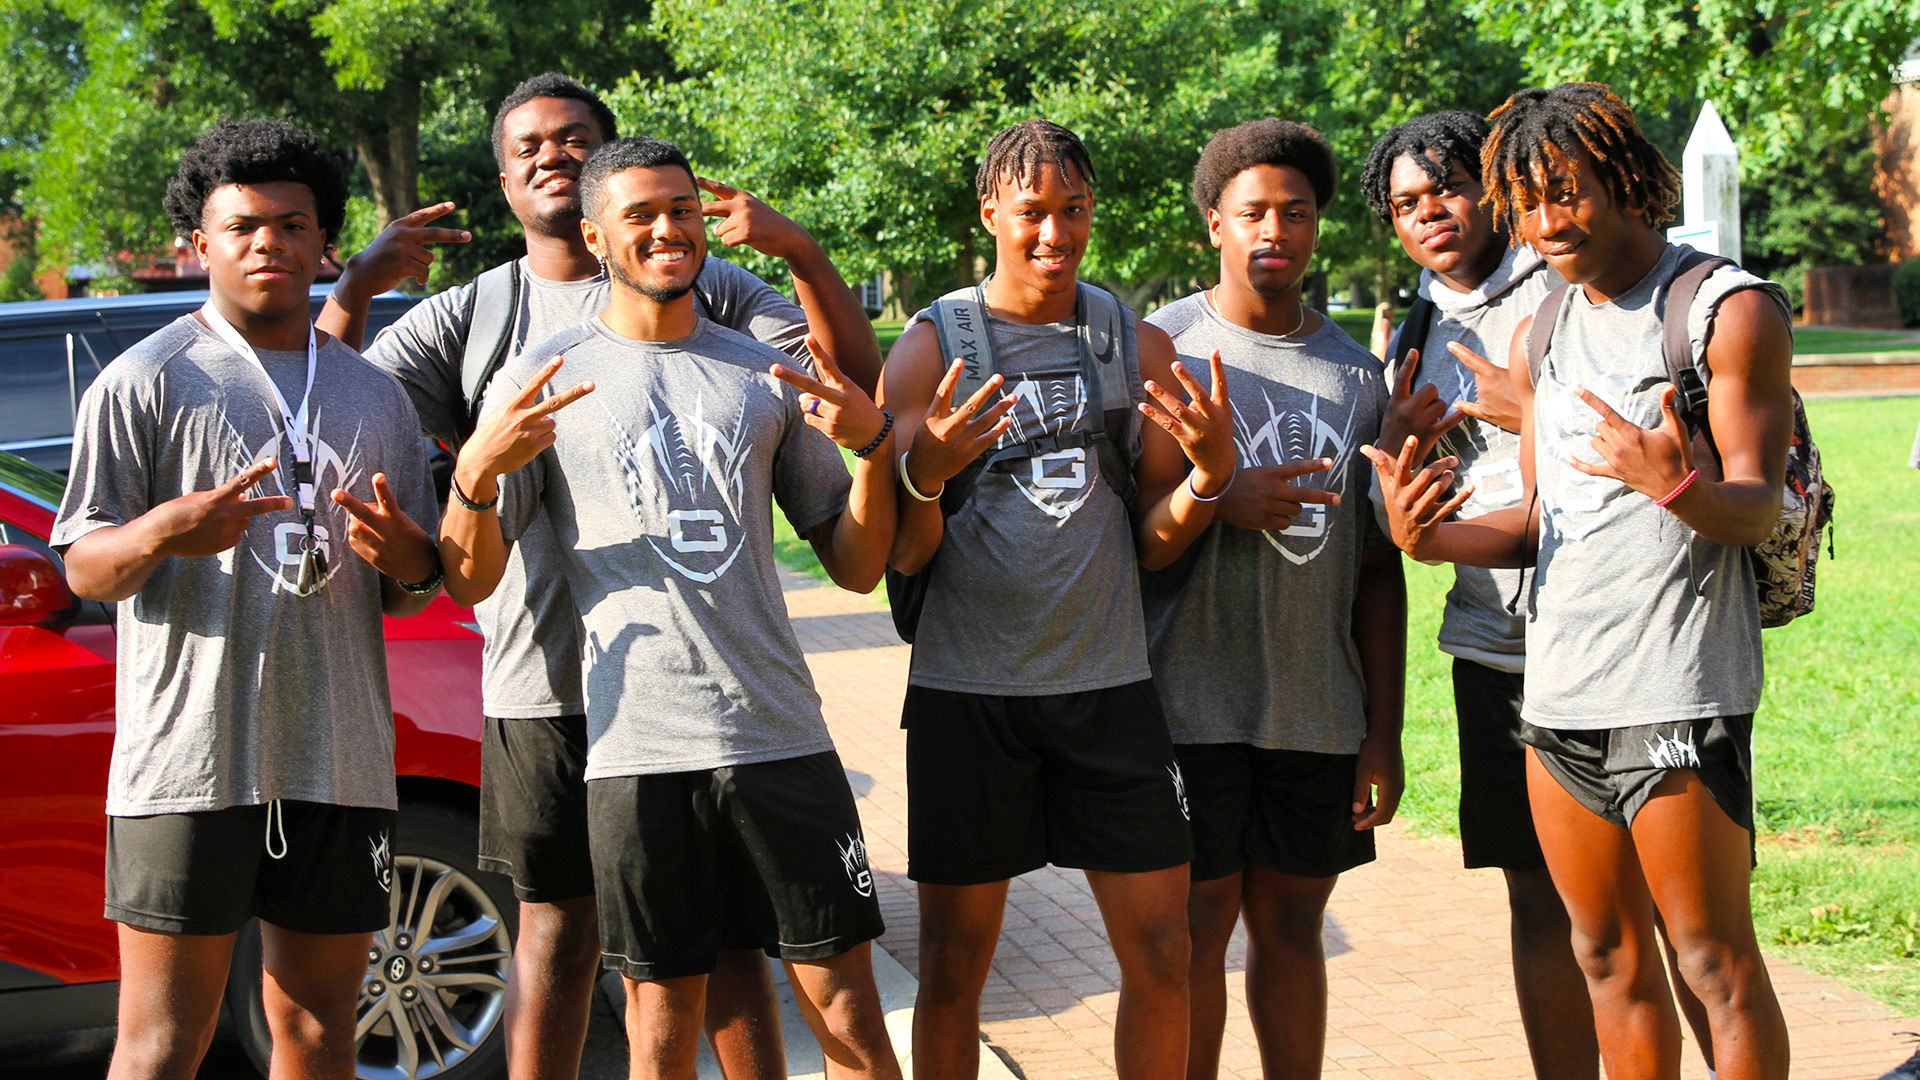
(423, 587)
(478, 508)
(885, 428)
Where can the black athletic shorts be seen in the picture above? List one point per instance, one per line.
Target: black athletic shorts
(1614, 771)
(1496, 822)
(767, 855)
(1288, 810)
(210, 871)
(533, 806)
(998, 786)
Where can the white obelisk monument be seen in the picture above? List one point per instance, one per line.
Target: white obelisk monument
(1710, 189)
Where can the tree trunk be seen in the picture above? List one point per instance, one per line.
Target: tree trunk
(963, 272)
(391, 150)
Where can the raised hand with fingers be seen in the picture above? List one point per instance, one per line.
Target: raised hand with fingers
(385, 536)
(209, 522)
(1418, 413)
(1652, 461)
(1415, 499)
(746, 220)
(1495, 401)
(1203, 425)
(1265, 496)
(835, 405)
(952, 436)
(513, 434)
(404, 250)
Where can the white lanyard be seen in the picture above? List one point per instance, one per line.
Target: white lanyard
(298, 437)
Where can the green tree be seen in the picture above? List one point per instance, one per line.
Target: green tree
(114, 88)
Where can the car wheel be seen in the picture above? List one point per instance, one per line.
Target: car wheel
(434, 998)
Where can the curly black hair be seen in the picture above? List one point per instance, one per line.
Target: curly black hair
(1017, 153)
(1271, 141)
(258, 152)
(550, 84)
(1455, 137)
(1571, 118)
(617, 157)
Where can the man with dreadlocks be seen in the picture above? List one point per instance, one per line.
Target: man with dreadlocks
(1643, 634)
(1279, 638)
(1423, 178)
(1034, 734)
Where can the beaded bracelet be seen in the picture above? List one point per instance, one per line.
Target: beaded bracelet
(885, 427)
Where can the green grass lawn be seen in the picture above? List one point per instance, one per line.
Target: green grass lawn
(1837, 740)
(1820, 339)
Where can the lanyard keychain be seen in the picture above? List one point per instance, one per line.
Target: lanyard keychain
(313, 562)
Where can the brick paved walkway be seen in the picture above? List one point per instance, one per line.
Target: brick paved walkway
(1420, 982)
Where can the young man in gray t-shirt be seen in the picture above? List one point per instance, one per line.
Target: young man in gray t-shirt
(716, 805)
(1278, 639)
(253, 493)
(1643, 633)
(533, 791)
(1033, 732)
(1452, 391)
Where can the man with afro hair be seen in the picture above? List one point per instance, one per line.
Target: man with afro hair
(1448, 370)
(258, 492)
(1643, 628)
(1278, 639)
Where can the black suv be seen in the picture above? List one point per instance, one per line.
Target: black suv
(50, 351)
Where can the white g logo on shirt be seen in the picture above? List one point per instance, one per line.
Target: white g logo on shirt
(290, 542)
(708, 528)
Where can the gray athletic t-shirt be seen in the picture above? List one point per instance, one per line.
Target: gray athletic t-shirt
(1635, 619)
(231, 689)
(531, 664)
(1477, 625)
(659, 490)
(1251, 630)
(1035, 586)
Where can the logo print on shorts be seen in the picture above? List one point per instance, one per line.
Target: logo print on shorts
(1668, 752)
(382, 861)
(853, 859)
(1180, 789)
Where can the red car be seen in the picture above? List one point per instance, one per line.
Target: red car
(436, 977)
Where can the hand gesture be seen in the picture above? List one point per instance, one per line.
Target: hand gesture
(210, 522)
(747, 220)
(1494, 399)
(1652, 462)
(1203, 424)
(832, 402)
(1265, 497)
(1379, 779)
(949, 438)
(1421, 414)
(515, 433)
(401, 251)
(385, 536)
(1413, 499)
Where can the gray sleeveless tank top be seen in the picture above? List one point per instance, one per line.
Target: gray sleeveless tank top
(1035, 589)
(1634, 618)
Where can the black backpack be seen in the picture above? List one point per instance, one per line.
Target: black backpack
(1104, 329)
(1783, 563)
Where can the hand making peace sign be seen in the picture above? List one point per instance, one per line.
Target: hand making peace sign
(513, 434)
(746, 220)
(832, 402)
(385, 536)
(209, 522)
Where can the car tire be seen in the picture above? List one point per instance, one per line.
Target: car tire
(451, 991)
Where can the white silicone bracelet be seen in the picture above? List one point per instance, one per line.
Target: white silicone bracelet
(907, 481)
(1215, 497)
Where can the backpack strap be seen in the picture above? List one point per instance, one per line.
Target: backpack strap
(492, 307)
(1682, 370)
(1540, 334)
(1413, 330)
(960, 322)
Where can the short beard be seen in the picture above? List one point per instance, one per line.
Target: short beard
(657, 295)
(561, 224)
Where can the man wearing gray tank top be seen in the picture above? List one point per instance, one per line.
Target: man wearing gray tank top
(1643, 630)
(1279, 638)
(533, 788)
(1452, 391)
(1034, 735)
